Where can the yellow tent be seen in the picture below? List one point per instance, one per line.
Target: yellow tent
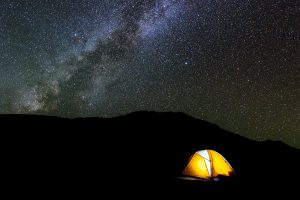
(208, 165)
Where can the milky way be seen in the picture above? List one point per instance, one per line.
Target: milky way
(235, 63)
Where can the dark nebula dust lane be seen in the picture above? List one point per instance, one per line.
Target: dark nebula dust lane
(235, 63)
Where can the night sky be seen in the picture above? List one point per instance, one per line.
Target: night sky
(235, 63)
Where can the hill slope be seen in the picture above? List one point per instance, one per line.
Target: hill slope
(138, 155)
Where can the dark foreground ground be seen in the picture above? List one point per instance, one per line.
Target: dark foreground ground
(138, 156)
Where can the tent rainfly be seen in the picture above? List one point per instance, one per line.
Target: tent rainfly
(208, 165)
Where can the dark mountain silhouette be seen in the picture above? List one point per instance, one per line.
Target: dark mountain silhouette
(139, 155)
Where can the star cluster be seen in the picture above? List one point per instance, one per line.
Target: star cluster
(235, 63)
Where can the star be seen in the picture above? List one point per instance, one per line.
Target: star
(109, 58)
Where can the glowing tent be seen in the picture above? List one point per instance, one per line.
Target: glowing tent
(208, 165)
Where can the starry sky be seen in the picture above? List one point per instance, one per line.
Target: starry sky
(235, 63)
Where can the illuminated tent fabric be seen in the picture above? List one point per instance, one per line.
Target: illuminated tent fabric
(208, 165)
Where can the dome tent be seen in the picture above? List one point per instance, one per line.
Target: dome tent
(208, 165)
